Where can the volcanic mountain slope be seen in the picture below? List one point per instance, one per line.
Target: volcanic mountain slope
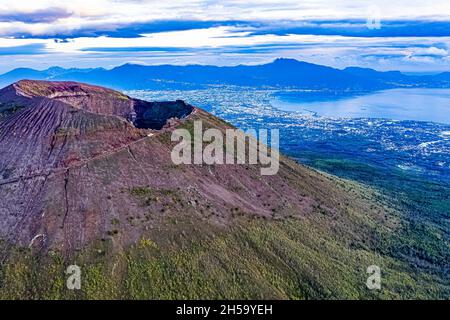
(86, 177)
(55, 133)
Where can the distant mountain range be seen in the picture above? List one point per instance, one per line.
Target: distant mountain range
(279, 73)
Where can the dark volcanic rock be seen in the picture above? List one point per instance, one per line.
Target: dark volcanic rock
(155, 114)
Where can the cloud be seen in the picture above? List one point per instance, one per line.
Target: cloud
(430, 52)
(47, 15)
(356, 28)
(413, 34)
(135, 49)
(29, 49)
(17, 26)
(232, 45)
(77, 18)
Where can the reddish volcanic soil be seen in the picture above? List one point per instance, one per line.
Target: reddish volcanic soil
(74, 168)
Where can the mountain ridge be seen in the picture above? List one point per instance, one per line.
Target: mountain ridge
(281, 73)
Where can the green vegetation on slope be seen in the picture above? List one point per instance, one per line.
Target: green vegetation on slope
(424, 204)
(254, 258)
(8, 109)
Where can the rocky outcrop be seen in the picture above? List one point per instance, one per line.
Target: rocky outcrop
(94, 99)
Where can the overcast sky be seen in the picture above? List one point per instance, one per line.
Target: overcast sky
(411, 35)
